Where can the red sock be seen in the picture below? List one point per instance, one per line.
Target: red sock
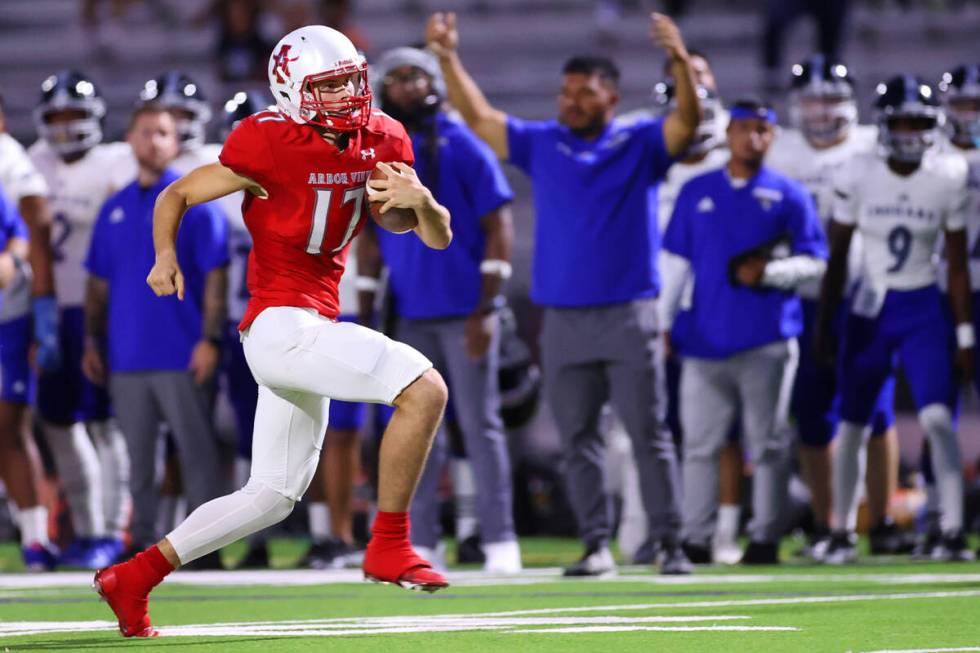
(390, 527)
(146, 570)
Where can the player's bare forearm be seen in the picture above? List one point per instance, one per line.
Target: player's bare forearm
(201, 185)
(36, 214)
(433, 228)
(368, 273)
(215, 304)
(832, 291)
(958, 276)
(498, 231)
(96, 307)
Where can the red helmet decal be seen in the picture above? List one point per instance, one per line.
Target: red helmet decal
(282, 62)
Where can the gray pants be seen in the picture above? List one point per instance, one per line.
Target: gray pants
(475, 398)
(591, 355)
(142, 400)
(755, 385)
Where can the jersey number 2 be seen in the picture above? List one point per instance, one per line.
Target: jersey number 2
(321, 210)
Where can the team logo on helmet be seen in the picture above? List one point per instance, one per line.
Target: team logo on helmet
(282, 60)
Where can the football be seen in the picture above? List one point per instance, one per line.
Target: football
(394, 219)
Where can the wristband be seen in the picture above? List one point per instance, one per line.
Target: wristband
(367, 284)
(498, 267)
(965, 336)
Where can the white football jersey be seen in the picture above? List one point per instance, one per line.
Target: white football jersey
(678, 175)
(240, 246)
(900, 219)
(792, 155)
(18, 175)
(77, 192)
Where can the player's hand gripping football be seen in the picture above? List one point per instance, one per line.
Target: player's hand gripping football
(440, 34)
(665, 34)
(402, 189)
(166, 278)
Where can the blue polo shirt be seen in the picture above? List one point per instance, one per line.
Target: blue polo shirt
(430, 283)
(595, 237)
(713, 222)
(146, 332)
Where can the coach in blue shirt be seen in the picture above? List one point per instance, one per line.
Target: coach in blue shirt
(747, 236)
(596, 244)
(162, 352)
(447, 300)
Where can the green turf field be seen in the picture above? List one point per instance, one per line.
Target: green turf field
(880, 605)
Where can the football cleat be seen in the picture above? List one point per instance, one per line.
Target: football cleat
(401, 566)
(39, 557)
(86, 553)
(130, 607)
(842, 549)
(596, 561)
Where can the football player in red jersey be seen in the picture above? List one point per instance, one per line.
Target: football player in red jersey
(304, 167)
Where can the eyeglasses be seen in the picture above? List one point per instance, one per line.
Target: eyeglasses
(414, 78)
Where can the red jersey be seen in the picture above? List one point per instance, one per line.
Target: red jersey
(315, 207)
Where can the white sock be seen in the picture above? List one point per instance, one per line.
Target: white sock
(464, 493)
(224, 520)
(937, 422)
(34, 526)
(110, 445)
(726, 528)
(80, 474)
(319, 516)
(848, 470)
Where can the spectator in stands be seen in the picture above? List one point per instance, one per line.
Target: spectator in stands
(242, 51)
(160, 354)
(337, 14)
(447, 301)
(738, 339)
(596, 245)
(830, 17)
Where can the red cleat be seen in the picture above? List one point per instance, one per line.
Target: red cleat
(130, 606)
(401, 566)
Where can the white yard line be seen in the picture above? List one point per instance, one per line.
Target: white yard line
(306, 577)
(662, 629)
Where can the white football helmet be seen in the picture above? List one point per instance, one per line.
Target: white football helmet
(308, 56)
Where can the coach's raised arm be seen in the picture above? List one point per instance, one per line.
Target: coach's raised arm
(490, 123)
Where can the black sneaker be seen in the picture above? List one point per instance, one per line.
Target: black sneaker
(817, 543)
(208, 562)
(317, 556)
(886, 539)
(257, 557)
(927, 544)
(673, 562)
(698, 554)
(469, 551)
(842, 549)
(952, 548)
(761, 553)
(596, 561)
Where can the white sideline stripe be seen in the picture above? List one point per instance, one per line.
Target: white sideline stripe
(301, 577)
(662, 629)
(357, 624)
(846, 598)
